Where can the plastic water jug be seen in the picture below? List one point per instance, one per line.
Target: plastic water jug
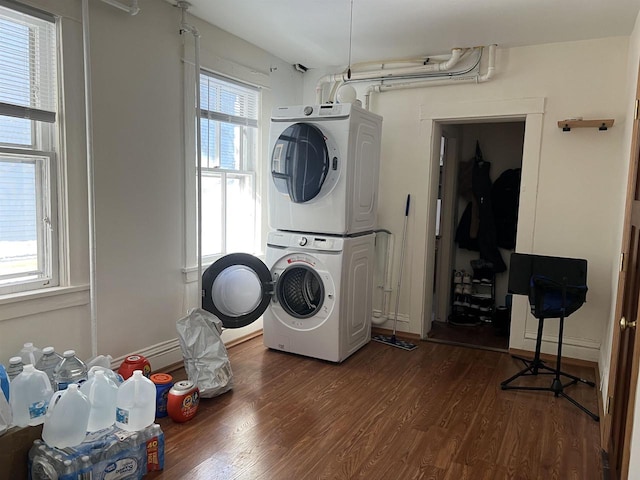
(30, 354)
(99, 361)
(15, 367)
(48, 362)
(136, 404)
(4, 382)
(103, 395)
(110, 374)
(70, 370)
(65, 424)
(30, 395)
(5, 414)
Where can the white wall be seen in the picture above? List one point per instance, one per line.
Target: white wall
(142, 270)
(580, 174)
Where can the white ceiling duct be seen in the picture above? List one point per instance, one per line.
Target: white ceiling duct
(424, 74)
(478, 78)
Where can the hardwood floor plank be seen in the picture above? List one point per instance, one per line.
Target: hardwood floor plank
(434, 413)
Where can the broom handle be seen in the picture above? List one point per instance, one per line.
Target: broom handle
(404, 235)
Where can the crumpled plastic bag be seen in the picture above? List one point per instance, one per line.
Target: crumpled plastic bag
(205, 356)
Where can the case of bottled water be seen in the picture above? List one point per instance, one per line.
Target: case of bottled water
(108, 454)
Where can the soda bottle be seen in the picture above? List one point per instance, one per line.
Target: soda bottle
(70, 370)
(48, 362)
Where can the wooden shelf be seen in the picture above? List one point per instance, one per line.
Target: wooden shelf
(567, 125)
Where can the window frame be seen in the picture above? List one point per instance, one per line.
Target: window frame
(45, 142)
(248, 167)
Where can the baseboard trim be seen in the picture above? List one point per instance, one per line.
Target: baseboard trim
(552, 358)
(167, 356)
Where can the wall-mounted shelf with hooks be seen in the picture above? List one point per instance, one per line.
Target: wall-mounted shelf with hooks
(567, 125)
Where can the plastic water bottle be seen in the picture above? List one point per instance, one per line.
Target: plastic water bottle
(15, 367)
(30, 395)
(5, 414)
(136, 404)
(70, 370)
(30, 354)
(48, 362)
(4, 382)
(65, 424)
(102, 394)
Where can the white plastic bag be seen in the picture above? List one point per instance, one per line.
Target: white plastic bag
(205, 356)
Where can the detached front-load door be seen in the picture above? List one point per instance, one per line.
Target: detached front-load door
(237, 289)
(300, 162)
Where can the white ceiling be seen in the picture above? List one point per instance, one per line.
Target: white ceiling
(315, 33)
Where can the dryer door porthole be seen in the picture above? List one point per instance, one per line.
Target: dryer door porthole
(237, 289)
(300, 291)
(302, 161)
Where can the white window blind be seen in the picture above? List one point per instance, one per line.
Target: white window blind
(28, 107)
(229, 132)
(27, 69)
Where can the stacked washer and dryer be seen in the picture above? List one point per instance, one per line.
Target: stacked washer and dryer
(315, 288)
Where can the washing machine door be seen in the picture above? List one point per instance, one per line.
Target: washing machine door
(300, 162)
(237, 289)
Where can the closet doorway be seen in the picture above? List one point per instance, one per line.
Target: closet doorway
(471, 305)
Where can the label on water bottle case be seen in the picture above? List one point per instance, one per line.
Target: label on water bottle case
(122, 415)
(38, 409)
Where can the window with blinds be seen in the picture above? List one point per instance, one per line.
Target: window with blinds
(229, 141)
(28, 114)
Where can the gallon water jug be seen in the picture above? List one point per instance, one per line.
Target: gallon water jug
(102, 394)
(15, 367)
(70, 370)
(30, 354)
(99, 361)
(30, 395)
(5, 414)
(4, 382)
(110, 374)
(65, 424)
(136, 404)
(48, 362)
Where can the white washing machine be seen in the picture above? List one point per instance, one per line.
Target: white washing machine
(325, 162)
(315, 292)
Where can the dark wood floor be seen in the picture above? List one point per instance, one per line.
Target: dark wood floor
(433, 413)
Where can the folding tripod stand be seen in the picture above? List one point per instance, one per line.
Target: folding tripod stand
(533, 275)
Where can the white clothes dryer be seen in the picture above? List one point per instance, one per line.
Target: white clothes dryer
(315, 292)
(324, 165)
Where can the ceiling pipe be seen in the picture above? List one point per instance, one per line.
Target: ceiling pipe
(478, 78)
(132, 10)
(382, 74)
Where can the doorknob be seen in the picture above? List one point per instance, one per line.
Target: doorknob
(624, 324)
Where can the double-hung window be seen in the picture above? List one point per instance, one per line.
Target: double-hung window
(229, 141)
(28, 141)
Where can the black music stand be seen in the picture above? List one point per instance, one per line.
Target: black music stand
(556, 287)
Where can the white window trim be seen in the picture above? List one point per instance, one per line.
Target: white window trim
(52, 239)
(190, 258)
